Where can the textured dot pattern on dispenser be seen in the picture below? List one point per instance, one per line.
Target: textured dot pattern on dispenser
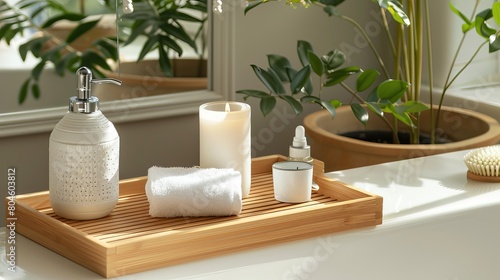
(84, 174)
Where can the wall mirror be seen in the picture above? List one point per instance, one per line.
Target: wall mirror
(29, 118)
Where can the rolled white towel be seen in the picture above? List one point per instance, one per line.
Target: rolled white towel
(193, 192)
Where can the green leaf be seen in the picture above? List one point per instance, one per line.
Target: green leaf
(80, 30)
(460, 14)
(336, 103)
(11, 34)
(147, 47)
(66, 16)
(170, 43)
(482, 27)
(35, 90)
(402, 116)
(253, 93)
(252, 4)
(467, 27)
(92, 58)
(310, 99)
(31, 45)
(398, 14)
(23, 93)
(274, 85)
(366, 79)
(391, 90)
(178, 15)
(179, 33)
(267, 105)
(333, 60)
(4, 29)
(164, 61)
(330, 107)
(37, 71)
(360, 113)
(138, 28)
(303, 48)
(52, 54)
(25, 4)
(374, 107)
(414, 107)
(60, 66)
(496, 12)
(340, 75)
(300, 79)
(279, 64)
(280, 89)
(296, 106)
(494, 44)
(107, 47)
(39, 10)
(56, 6)
(316, 63)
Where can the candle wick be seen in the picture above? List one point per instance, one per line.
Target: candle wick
(228, 109)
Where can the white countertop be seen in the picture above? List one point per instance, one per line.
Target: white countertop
(436, 225)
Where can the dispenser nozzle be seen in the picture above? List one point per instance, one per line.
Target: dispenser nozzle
(84, 102)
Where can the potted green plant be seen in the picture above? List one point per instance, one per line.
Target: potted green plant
(392, 100)
(160, 24)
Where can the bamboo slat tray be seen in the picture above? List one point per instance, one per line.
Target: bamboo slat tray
(130, 241)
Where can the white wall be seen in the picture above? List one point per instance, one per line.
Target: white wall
(173, 141)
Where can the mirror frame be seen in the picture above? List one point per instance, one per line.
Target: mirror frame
(220, 87)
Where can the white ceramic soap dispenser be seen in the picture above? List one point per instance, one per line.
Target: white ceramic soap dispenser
(84, 150)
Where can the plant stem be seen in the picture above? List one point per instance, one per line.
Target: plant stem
(430, 69)
(418, 49)
(445, 89)
(448, 83)
(395, 47)
(370, 43)
(367, 38)
(415, 47)
(82, 6)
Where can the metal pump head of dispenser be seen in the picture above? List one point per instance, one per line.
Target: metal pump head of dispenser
(84, 102)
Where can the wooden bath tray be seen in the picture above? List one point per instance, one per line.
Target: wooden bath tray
(130, 241)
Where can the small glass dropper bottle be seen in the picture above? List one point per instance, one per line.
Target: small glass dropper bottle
(299, 150)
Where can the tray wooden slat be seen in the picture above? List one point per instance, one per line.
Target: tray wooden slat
(130, 241)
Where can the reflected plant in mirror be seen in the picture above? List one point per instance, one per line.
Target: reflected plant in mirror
(66, 38)
(167, 27)
(56, 35)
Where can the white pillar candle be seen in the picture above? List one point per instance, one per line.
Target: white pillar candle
(225, 138)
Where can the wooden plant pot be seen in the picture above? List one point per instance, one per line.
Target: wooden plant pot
(105, 28)
(464, 128)
(145, 78)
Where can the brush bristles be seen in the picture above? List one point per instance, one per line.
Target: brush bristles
(484, 161)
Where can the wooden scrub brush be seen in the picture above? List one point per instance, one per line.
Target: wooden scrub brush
(483, 164)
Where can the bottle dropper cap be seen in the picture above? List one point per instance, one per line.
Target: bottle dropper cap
(300, 137)
(299, 150)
